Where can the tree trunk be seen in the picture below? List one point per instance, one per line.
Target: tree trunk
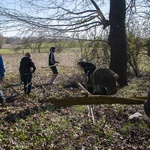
(117, 40)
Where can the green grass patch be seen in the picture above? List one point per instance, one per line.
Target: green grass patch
(6, 51)
(10, 51)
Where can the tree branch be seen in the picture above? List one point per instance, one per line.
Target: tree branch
(104, 21)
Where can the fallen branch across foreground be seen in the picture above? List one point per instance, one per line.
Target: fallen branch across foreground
(96, 100)
(90, 99)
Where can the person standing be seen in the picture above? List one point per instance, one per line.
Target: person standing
(27, 67)
(52, 65)
(2, 74)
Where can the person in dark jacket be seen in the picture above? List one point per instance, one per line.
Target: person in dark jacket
(2, 74)
(27, 67)
(88, 68)
(52, 65)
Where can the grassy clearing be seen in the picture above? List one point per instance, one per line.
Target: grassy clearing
(10, 51)
(6, 51)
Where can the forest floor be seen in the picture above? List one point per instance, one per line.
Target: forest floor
(35, 123)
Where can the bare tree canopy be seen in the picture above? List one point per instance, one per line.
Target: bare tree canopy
(57, 17)
(51, 16)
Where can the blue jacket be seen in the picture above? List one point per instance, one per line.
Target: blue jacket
(2, 68)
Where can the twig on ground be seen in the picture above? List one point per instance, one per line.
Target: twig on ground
(20, 94)
(41, 84)
(90, 107)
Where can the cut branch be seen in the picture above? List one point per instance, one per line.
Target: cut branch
(104, 21)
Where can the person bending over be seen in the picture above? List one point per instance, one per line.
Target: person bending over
(88, 68)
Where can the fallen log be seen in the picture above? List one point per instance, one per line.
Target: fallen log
(96, 100)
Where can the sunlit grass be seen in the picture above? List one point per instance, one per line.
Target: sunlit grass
(10, 51)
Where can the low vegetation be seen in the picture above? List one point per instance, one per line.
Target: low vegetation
(35, 123)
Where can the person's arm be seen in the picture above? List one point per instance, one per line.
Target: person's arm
(85, 71)
(33, 68)
(51, 59)
(2, 67)
(55, 60)
(85, 67)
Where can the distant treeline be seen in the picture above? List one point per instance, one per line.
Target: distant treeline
(31, 40)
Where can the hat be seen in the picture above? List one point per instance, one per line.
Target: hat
(52, 49)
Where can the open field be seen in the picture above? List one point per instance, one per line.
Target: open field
(10, 51)
(34, 123)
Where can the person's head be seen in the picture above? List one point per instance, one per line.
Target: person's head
(52, 49)
(81, 62)
(28, 54)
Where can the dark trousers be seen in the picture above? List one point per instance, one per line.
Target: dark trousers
(27, 83)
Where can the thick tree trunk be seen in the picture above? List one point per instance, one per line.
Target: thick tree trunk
(117, 40)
